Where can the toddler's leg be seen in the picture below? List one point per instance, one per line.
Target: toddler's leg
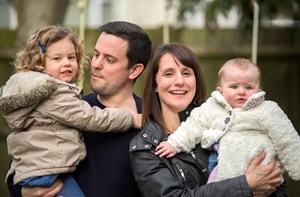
(71, 187)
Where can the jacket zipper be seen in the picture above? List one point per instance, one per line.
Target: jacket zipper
(179, 168)
(201, 166)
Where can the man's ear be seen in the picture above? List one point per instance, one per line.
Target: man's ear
(136, 70)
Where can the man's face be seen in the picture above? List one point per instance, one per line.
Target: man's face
(109, 72)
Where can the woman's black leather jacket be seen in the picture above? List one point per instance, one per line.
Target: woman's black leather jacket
(183, 175)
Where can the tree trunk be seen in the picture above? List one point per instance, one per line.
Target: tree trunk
(33, 14)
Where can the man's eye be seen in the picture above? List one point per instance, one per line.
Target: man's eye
(110, 60)
(96, 55)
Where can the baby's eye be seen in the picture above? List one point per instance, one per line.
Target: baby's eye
(249, 87)
(233, 87)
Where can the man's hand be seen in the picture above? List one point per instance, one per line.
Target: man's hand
(50, 191)
(164, 149)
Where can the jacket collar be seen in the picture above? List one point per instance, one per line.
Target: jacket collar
(152, 132)
(152, 135)
(183, 115)
(252, 101)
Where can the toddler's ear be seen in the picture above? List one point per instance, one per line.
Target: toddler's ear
(219, 89)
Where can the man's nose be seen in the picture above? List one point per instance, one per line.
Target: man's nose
(97, 63)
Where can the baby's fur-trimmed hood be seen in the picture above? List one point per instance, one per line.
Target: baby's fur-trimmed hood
(24, 89)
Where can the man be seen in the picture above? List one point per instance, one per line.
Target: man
(121, 54)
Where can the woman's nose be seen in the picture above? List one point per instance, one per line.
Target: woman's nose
(179, 79)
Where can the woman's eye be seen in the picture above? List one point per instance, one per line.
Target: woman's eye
(186, 73)
(168, 74)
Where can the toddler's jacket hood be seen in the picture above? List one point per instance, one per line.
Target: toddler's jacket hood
(25, 89)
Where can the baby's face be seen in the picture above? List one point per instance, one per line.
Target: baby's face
(61, 62)
(237, 86)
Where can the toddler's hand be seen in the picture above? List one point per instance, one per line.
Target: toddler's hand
(137, 120)
(164, 149)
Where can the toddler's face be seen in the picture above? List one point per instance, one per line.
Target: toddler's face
(237, 86)
(61, 60)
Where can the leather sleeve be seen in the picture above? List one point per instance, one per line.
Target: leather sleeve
(155, 179)
(281, 191)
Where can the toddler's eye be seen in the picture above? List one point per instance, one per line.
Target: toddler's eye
(57, 58)
(72, 57)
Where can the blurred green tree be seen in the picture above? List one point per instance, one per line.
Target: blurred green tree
(269, 9)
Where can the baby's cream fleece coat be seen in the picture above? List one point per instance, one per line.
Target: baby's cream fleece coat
(243, 134)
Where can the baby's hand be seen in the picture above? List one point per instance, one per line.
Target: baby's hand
(164, 149)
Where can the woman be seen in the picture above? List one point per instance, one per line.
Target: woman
(175, 84)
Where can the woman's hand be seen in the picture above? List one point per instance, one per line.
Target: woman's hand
(263, 179)
(164, 149)
(50, 191)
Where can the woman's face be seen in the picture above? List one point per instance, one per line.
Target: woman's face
(176, 84)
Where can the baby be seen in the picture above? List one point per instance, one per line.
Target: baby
(237, 124)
